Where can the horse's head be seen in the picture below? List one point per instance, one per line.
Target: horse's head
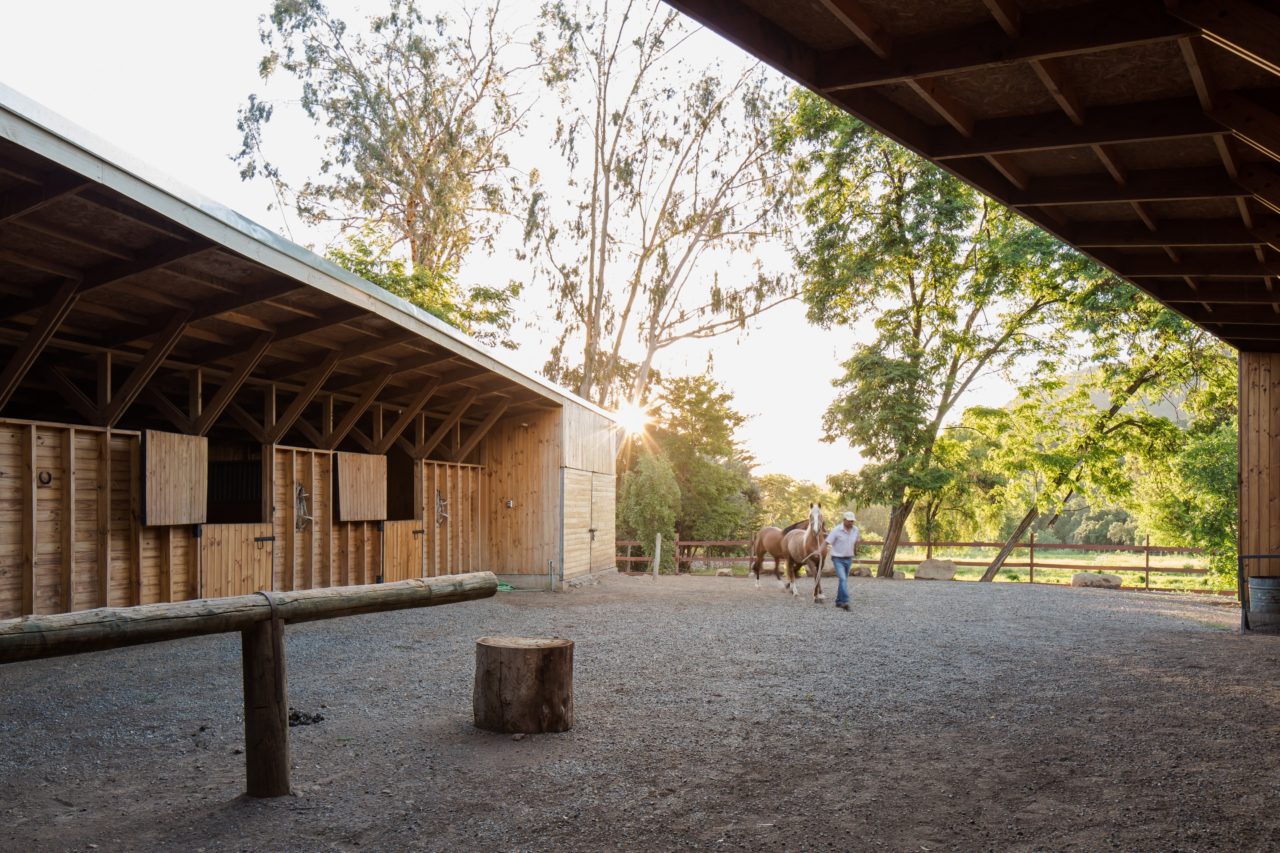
(817, 523)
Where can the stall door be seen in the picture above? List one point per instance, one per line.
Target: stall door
(235, 559)
(603, 506)
(403, 553)
(577, 522)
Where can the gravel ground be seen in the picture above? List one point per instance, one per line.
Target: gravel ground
(935, 716)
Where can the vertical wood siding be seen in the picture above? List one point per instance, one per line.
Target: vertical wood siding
(1259, 379)
(454, 496)
(232, 562)
(70, 533)
(522, 464)
(177, 478)
(362, 487)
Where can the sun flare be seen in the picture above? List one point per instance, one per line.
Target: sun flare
(632, 418)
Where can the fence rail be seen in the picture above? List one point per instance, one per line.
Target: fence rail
(686, 555)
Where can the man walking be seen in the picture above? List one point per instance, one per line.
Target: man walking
(843, 540)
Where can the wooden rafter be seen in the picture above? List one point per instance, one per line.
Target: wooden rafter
(1149, 185)
(302, 400)
(20, 202)
(1007, 15)
(1186, 232)
(407, 417)
(355, 350)
(334, 437)
(70, 392)
(38, 337)
(1250, 122)
(1199, 266)
(1246, 29)
(858, 21)
(442, 431)
(1054, 78)
(227, 392)
(1071, 31)
(477, 435)
(142, 372)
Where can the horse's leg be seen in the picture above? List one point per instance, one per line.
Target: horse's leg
(777, 571)
(817, 584)
(793, 577)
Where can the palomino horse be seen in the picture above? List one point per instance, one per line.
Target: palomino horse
(768, 542)
(807, 547)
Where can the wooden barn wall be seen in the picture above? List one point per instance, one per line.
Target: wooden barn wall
(454, 521)
(311, 549)
(590, 440)
(362, 486)
(522, 465)
(71, 533)
(235, 559)
(1260, 460)
(590, 458)
(176, 478)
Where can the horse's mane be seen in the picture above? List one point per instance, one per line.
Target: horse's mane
(799, 525)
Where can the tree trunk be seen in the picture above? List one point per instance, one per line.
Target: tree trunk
(1011, 543)
(523, 684)
(897, 522)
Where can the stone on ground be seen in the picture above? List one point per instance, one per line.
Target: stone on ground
(899, 575)
(861, 572)
(936, 570)
(1095, 579)
(724, 573)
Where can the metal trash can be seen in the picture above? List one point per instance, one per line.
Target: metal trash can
(1264, 604)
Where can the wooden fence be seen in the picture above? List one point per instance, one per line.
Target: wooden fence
(687, 554)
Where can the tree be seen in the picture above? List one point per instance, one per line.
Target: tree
(414, 118)
(647, 504)
(665, 177)
(1139, 348)
(785, 500)
(958, 285)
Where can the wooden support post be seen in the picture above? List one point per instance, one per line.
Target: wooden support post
(67, 578)
(104, 379)
(657, 554)
(195, 394)
(135, 522)
(1031, 558)
(266, 710)
(166, 564)
(104, 518)
(1147, 563)
(29, 520)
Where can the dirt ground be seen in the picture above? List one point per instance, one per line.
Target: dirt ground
(935, 716)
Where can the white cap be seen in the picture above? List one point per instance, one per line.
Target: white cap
(848, 516)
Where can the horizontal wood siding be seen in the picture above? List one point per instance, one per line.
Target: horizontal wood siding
(1259, 473)
(176, 469)
(232, 562)
(71, 536)
(454, 496)
(522, 465)
(362, 487)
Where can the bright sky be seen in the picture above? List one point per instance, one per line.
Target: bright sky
(162, 80)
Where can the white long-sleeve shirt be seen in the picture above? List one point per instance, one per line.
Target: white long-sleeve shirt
(842, 541)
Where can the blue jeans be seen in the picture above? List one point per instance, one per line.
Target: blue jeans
(842, 565)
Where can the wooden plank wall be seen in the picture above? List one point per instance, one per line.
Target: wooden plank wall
(590, 460)
(604, 548)
(232, 562)
(177, 478)
(456, 537)
(404, 556)
(317, 552)
(362, 487)
(1259, 379)
(522, 464)
(71, 536)
(577, 522)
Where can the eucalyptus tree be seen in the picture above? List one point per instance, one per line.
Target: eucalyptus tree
(414, 114)
(956, 287)
(670, 180)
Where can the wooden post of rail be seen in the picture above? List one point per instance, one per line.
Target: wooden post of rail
(266, 710)
(1031, 558)
(1146, 563)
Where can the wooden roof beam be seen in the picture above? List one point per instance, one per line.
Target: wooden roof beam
(142, 372)
(1177, 118)
(1246, 29)
(1144, 186)
(1251, 122)
(1218, 293)
(227, 392)
(118, 336)
(406, 417)
(420, 451)
(1054, 78)
(1232, 315)
(334, 438)
(477, 435)
(20, 202)
(1200, 266)
(1181, 232)
(859, 22)
(37, 339)
(1007, 15)
(302, 400)
(1070, 31)
(354, 350)
(1263, 183)
(286, 332)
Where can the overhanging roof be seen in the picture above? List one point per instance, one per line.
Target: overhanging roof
(98, 253)
(1145, 134)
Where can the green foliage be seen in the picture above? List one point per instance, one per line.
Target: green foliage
(485, 313)
(958, 287)
(785, 500)
(647, 505)
(412, 117)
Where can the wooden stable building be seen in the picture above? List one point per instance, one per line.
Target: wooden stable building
(1146, 133)
(192, 407)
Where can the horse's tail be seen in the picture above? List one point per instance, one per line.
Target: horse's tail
(757, 558)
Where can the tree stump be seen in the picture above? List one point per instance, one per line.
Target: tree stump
(523, 684)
